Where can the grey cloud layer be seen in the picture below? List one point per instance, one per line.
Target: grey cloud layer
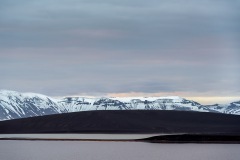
(69, 46)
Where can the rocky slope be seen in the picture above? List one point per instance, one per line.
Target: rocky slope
(15, 105)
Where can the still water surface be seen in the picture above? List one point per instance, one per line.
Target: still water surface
(83, 150)
(80, 136)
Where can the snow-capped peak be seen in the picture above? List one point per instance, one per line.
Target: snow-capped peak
(18, 105)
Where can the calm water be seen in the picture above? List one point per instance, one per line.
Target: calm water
(79, 150)
(80, 136)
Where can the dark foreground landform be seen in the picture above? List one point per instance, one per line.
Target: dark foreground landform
(194, 138)
(173, 138)
(179, 138)
(127, 121)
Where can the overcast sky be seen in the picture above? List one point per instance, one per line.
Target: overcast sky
(121, 47)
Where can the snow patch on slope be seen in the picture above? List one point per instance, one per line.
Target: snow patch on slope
(19, 105)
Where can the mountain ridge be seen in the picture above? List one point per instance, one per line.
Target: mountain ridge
(14, 105)
(127, 121)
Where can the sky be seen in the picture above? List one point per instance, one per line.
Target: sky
(188, 48)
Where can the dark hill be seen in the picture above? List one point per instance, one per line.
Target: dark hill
(127, 121)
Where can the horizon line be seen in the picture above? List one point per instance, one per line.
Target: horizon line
(205, 100)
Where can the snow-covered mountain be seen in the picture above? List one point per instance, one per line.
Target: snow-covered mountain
(19, 105)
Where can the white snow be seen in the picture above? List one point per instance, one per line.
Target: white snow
(15, 102)
(128, 99)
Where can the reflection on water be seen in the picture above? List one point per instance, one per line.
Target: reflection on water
(79, 150)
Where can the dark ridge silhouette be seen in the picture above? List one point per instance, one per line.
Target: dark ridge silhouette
(127, 121)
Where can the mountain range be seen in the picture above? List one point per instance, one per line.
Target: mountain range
(14, 105)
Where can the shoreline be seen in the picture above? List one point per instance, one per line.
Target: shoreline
(150, 138)
(113, 140)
